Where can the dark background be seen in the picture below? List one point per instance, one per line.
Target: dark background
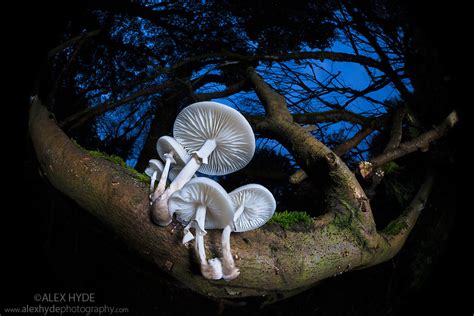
(54, 246)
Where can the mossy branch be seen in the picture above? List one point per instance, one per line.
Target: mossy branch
(273, 265)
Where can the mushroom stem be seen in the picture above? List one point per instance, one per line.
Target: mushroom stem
(160, 211)
(213, 269)
(198, 223)
(206, 150)
(164, 175)
(200, 220)
(152, 182)
(201, 252)
(229, 270)
(199, 158)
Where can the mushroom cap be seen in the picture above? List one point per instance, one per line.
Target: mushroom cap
(154, 165)
(259, 206)
(202, 191)
(235, 141)
(166, 144)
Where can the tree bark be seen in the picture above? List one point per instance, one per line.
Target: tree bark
(274, 263)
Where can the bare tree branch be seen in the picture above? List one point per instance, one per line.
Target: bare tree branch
(340, 150)
(317, 159)
(421, 142)
(327, 116)
(332, 116)
(79, 118)
(72, 41)
(345, 147)
(393, 143)
(230, 90)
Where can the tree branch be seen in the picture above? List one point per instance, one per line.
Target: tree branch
(269, 272)
(327, 116)
(273, 102)
(72, 41)
(345, 147)
(231, 90)
(397, 231)
(312, 155)
(77, 119)
(340, 150)
(319, 55)
(422, 142)
(393, 143)
(332, 116)
(396, 131)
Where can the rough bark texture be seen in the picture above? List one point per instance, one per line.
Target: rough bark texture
(274, 263)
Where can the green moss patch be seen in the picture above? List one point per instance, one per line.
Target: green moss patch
(116, 160)
(119, 161)
(287, 218)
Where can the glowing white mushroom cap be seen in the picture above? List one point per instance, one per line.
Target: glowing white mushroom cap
(154, 165)
(235, 141)
(202, 192)
(258, 206)
(167, 144)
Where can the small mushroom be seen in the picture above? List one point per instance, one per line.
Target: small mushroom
(171, 152)
(254, 205)
(154, 169)
(219, 140)
(202, 203)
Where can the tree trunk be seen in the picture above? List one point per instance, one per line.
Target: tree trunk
(275, 263)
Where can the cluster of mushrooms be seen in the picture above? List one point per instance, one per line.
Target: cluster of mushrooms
(212, 139)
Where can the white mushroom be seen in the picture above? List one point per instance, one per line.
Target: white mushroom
(220, 141)
(154, 169)
(219, 136)
(175, 171)
(202, 203)
(171, 152)
(254, 205)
